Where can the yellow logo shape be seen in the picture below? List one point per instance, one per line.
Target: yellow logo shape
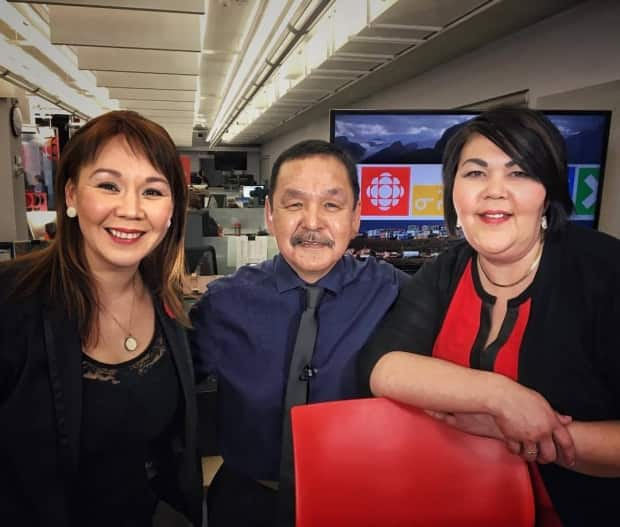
(427, 200)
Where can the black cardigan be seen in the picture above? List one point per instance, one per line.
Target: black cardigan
(570, 351)
(40, 417)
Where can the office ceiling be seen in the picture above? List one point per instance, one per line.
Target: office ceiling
(239, 71)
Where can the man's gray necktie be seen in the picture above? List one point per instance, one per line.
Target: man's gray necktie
(300, 372)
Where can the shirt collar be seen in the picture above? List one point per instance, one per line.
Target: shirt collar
(286, 278)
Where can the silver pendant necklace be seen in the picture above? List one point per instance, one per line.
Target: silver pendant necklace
(130, 343)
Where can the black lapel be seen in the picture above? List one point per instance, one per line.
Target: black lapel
(63, 349)
(177, 341)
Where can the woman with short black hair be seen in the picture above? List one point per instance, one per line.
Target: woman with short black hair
(513, 332)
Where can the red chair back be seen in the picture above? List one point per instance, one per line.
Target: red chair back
(377, 463)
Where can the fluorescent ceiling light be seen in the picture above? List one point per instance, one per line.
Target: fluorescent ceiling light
(258, 50)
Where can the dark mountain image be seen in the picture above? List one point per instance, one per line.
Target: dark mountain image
(440, 145)
(398, 153)
(355, 150)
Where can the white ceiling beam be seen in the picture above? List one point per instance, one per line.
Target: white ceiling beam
(139, 105)
(91, 26)
(168, 113)
(150, 81)
(139, 61)
(151, 95)
(178, 6)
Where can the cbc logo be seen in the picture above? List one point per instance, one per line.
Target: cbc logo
(385, 191)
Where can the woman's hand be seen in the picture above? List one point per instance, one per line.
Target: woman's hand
(479, 424)
(484, 424)
(525, 417)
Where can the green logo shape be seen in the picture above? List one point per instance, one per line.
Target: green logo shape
(587, 190)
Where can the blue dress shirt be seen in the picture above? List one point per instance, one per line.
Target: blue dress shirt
(244, 332)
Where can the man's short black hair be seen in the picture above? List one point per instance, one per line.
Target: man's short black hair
(530, 139)
(310, 148)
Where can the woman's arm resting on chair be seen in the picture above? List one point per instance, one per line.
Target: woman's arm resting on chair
(522, 415)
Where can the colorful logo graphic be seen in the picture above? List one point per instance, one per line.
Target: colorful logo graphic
(585, 190)
(385, 190)
(427, 201)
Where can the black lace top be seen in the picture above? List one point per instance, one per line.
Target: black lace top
(126, 409)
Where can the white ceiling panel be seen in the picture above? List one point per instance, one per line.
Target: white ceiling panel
(208, 106)
(176, 131)
(208, 109)
(44, 59)
(427, 12)
(213, 67)
(163, 114)
(213, 87)
(178, 6)
(91, 26)
(289, 104)
(174, 120)
(372, 48)
(303, 94)
(360, 63)
(182, 140)
(156, 105)
(324, 83)
(171, 125)
(150, 81)
(177, 126)
(153, 95)
(401, 31)
(143, 60)
(226, 23)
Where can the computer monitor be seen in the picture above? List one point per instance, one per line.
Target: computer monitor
(230, 160)
(246, 189)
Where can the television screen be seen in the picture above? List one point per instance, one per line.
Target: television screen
(398, 156)
(225, 160)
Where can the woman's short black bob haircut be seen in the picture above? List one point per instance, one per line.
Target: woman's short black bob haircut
(529, 139)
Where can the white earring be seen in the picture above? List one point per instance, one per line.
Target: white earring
(458, 224)
(71, 212)
(169, 223)
(543, 223)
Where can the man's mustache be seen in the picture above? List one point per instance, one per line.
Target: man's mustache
(311, 237)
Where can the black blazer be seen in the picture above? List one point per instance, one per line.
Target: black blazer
(40, 418)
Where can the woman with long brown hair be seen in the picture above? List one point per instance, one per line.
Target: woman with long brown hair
(96, 385)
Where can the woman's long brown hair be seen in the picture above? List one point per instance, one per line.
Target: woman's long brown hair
(62, 269)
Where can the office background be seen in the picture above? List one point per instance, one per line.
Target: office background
(568, 61)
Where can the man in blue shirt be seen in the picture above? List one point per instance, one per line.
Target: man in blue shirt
(246, 324)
